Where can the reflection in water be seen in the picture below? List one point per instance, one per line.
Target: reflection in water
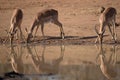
(16, 58)
(47, 71)
(108, 66)
(44, 62)
(41, 66)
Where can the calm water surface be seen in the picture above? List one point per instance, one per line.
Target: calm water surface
(62, 62)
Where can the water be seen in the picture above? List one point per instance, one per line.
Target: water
(62, 62)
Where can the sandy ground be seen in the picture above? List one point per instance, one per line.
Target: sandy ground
(77, 16)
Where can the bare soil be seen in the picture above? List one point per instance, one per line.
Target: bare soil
(77, 16)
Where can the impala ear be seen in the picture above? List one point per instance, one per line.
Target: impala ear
(102, 9)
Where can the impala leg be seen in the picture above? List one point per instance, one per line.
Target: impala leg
(114, 31)
(42, 30)
(12, 32)
(22, 37)
(11, 39)
(97, 34)
(100, 33)
(35, 32)
(100, 37)
(21, 34)
(110, 31)
(115, 27)
(11, 29)
(61, 28)
(17, 36)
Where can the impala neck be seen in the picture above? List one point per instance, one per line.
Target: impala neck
(33, 26)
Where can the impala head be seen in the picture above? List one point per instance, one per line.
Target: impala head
(29, 35)
(11, 35)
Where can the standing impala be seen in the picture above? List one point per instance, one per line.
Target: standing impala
(49, 15)
(16, 21)
(107, 18)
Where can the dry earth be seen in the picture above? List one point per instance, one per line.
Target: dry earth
(77, 16)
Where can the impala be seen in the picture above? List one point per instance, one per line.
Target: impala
(48, 15)
(107, 18)
(16, 21)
